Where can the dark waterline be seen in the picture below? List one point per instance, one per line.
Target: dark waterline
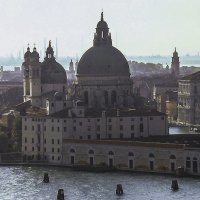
(25, 183)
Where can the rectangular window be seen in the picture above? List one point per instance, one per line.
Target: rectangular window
(141, 119)
(74, 128)
(121, 135)
(52, 128)
(52, 120)
(88, 120)
(89, 137)
(58, 150)
(89, 128)
(45, 149)
(80, 123)
(98, 136)
(132, 119)
(80, 137)
(121, 127)
(132, 135)
(110, 136)
(74, 121)
(110, 120)
(32, 140)
(141, 128)
(25, 148)
(151, 118)
(52, 104)
(32, 128)
(65, 129)
(44, 128)
(32, 148)
(52, 141)
(52, 150)
(162, 118)
(25, 128)
(110, 127)
(58, 129)
(98, 120)
(58, 141)
(121, 119)
(38, 148)
(132, 127)
(25, 140)
(98, 128)
(45, 141)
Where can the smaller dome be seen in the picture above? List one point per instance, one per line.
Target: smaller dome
(28, 53)
(35, 54)
(102, 24)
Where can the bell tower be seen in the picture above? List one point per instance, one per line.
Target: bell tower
(35, 78)
(26, 78)
(175, 65)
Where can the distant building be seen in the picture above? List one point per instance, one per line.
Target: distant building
(189, 100)
(175, 65)
(166, 96)
(71, 72)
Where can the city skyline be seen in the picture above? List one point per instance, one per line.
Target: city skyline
(137, 27)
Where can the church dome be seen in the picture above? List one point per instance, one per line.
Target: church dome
(28, 53)
(103, 59)
(51, 71)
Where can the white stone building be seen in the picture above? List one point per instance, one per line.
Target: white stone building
(188, 100)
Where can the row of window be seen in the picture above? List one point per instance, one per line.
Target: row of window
(53, 150)
(98, 120)
(38, 157)
(98, 128)
(45, 141)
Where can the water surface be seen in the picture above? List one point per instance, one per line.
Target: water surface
(25, 183)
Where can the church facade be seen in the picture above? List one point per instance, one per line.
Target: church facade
(101, 108)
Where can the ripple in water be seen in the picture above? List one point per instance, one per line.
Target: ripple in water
(25, 183)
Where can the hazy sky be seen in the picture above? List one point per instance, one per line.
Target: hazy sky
(141, 27)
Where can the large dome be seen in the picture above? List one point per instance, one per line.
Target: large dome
(52, 72)
(103, 60)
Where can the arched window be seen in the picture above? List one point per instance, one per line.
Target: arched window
(130, 154)
(86, 97)
(172, 157)
(91, 151)
(72, 151)
(113, 97)
(110, 153)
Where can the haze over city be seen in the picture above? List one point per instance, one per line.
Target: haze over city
(138, 27)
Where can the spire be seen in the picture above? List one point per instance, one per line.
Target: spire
(175, 49)
(34, 48)
(49, 43)
(28, 48)
(102, 16)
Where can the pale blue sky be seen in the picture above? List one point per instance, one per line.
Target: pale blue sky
(142, 27)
